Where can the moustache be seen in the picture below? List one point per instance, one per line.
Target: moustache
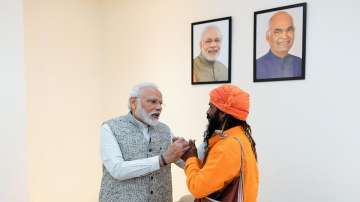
(154, 113)
(212, 50)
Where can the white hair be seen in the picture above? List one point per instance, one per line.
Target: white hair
(208, 28)
(145, 116)
(137, 89)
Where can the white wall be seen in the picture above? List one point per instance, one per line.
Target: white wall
(13, 182)
(305, 130)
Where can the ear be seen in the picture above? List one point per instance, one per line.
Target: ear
(133, 103)
(222, 116)
(268, 35)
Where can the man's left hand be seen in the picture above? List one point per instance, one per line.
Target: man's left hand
(192, 152)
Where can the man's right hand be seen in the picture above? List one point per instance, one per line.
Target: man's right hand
(176, 150)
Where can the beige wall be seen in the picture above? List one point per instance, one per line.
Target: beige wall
(63, 74)
(77, 53)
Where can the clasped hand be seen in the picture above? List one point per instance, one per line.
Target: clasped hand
(191, 152)
(180, 148)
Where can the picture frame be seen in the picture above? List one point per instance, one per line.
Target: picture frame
(211, 51)
(280, 43)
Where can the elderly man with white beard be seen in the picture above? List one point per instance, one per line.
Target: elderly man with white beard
(137, 150)
(206, 67)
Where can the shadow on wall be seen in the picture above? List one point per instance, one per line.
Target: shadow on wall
(186, 198)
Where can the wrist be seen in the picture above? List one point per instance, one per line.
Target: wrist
(190, 158)
(162, 160)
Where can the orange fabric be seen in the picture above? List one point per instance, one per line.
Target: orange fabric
(231, 100)
(222, 165)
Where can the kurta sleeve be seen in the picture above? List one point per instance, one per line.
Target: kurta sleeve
(221, 166)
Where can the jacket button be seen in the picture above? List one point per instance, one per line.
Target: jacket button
(151, 192)
(150, 150)
(151, 177)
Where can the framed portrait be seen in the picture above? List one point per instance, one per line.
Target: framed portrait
(279, 43)
(211, 51)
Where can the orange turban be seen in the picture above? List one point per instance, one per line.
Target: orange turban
(231, 100)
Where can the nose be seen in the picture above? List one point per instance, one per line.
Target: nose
(282, 35)
(285, 34)
(213, 44)
(158, 107)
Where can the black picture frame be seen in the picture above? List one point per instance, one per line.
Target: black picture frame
(213, 66)
(281, 60)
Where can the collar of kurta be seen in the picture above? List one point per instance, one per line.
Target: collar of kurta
(136, 122)
(227, 133)
(274, 57)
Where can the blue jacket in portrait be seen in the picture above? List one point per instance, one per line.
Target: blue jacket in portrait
(271, 66)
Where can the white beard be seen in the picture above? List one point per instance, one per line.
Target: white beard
(144, 116)
(210, 58)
